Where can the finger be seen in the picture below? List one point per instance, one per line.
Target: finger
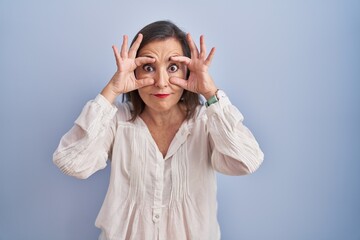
(181, 59)
(124, 51)
(140, 83)
(202, 47)
(135, 46)
(193, 48)
(210, 57)
(143, 60)
(116, 54)
(180, 82)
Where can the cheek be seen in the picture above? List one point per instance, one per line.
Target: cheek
(140, 73)
(142, 94)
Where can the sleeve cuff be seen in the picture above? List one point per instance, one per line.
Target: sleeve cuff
(218, 106)
(99, 109)
(104, 103)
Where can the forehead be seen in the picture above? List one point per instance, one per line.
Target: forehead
(162, 47)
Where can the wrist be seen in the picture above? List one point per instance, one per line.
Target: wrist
(215, 98)
(109, 94)
(210, 94)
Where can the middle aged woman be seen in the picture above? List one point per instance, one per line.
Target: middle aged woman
(164, 145)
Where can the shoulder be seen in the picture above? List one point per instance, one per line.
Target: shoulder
(124, 111)
(199, 114)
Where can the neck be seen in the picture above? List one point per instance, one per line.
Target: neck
(163, 118)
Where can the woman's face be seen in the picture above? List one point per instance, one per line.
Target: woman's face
(162, 95)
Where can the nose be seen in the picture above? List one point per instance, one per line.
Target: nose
(162, 79)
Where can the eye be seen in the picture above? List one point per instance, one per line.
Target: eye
(148, 68)
(173, 68)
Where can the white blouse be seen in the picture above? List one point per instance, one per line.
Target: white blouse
(149, 196)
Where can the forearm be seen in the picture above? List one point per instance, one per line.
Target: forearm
(109, 94)
(83, 150)
(235, 149)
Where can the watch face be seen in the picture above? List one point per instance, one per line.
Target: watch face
(220, 94)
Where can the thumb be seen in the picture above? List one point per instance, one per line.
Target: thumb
(180, 82)
(140, 83)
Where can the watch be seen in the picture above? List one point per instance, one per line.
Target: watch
(214, 99)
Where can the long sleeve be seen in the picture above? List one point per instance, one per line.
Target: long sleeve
(85, 148)
(235, 151)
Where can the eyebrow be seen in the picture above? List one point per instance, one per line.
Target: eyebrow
(149, 56)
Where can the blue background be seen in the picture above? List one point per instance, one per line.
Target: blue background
(291, 67)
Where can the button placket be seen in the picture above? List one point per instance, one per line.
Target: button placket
(159, 186)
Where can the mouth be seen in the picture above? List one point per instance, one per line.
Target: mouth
(161, 95)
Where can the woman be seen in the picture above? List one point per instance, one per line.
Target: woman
(164, 145)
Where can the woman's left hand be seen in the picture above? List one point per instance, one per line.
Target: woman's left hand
(199, 80)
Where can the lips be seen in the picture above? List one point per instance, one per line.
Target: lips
(161, 95)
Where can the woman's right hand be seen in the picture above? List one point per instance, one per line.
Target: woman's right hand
(124, 79)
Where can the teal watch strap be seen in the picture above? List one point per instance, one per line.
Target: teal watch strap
(211, 100)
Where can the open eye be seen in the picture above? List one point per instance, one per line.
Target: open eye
(148, 68)
(173, 68)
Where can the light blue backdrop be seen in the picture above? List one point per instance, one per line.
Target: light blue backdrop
(291, 67)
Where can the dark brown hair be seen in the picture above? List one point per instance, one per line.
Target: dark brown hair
(162, 30)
